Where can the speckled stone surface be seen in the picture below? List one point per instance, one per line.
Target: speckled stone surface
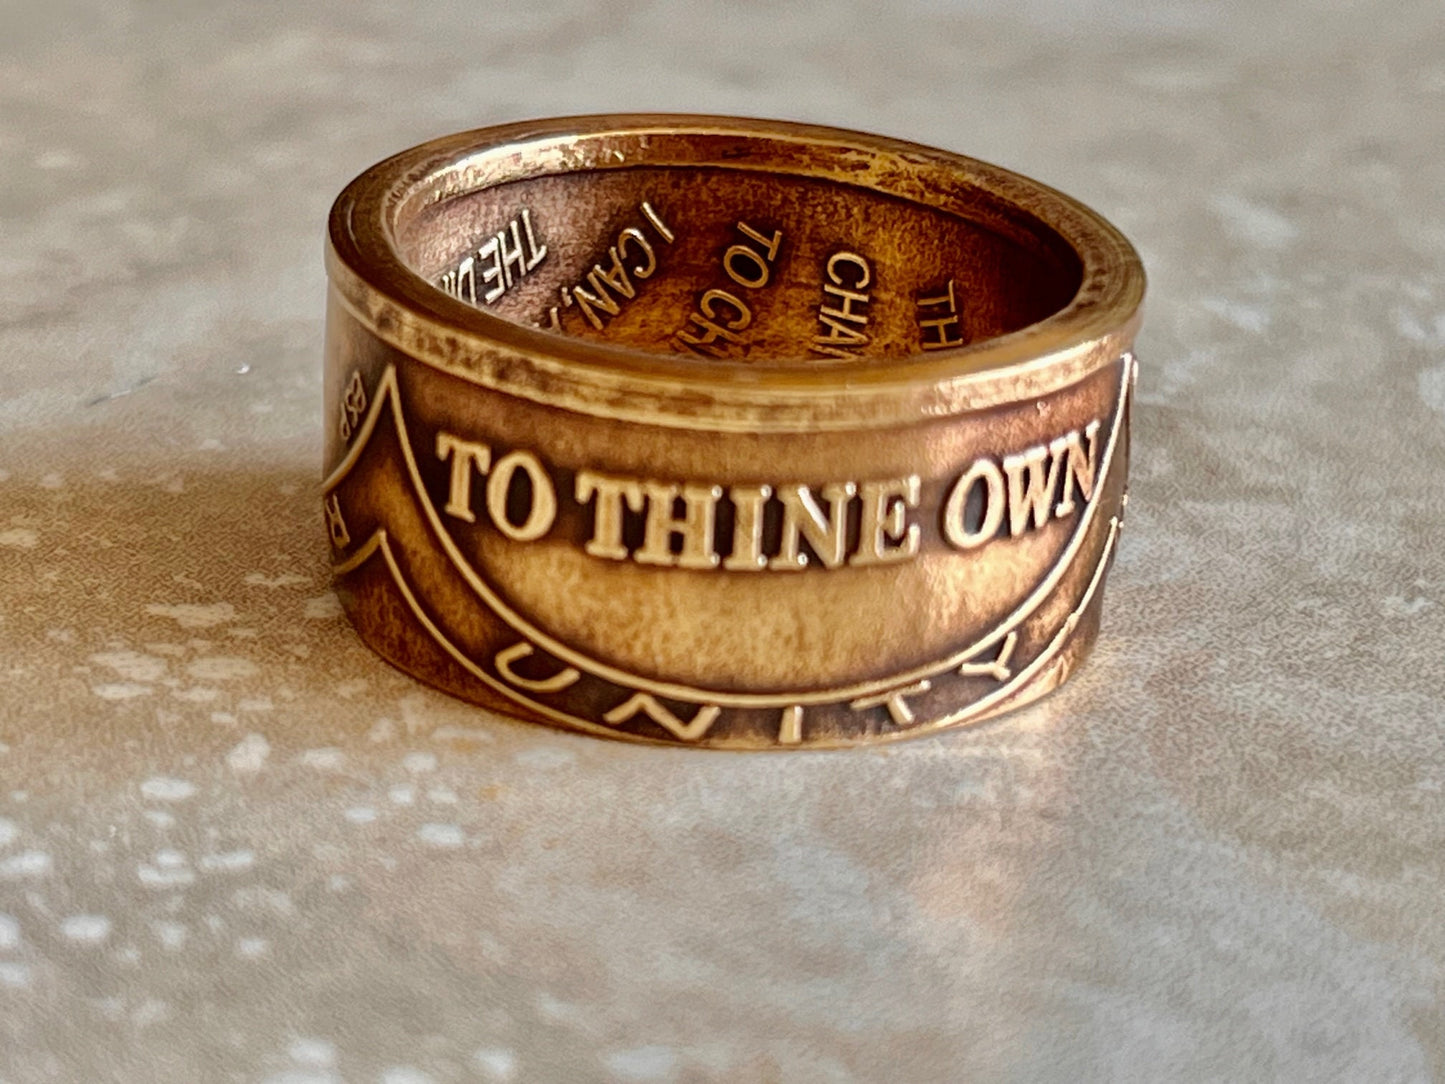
(234, 846)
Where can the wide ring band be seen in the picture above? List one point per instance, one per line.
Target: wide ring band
(724, 432)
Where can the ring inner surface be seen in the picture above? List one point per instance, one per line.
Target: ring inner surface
(726, 264)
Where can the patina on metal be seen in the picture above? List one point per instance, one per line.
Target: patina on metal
(724, 432)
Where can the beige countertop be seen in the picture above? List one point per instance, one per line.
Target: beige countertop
(235, 846)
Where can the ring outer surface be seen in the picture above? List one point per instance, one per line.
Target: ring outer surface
(868, 645)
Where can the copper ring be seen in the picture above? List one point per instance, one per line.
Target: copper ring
(724, 432)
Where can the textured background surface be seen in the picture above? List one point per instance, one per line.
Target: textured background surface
(235, 846)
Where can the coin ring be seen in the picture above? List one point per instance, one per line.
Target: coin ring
(722, 432)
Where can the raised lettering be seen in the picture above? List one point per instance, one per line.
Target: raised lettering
(938, 323)
(538, 253)
(840, 341)
(955, 518)
(498, 263)
(336, 522)
(657, 223)
(748, 503)
(353, 405)
(790, 726)
(754, 271)
(885, 535)
(844, 299)
(864, 276)
(802, 518)
(844, 310)
(1080, 468)
(592, 296)
(705, 320)
(895, 701)
(713, 298)
(770, 244)
(513, 257)
(541, 509)
(749, 269)
(492, 251)
(695, 528)
(616, 277)
(646, 704)
(1030, 487)
(466, 280)
(465, 457)
(633, 236)
(610, 493)
(562, 679)
(999, 668)
(590, 302)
